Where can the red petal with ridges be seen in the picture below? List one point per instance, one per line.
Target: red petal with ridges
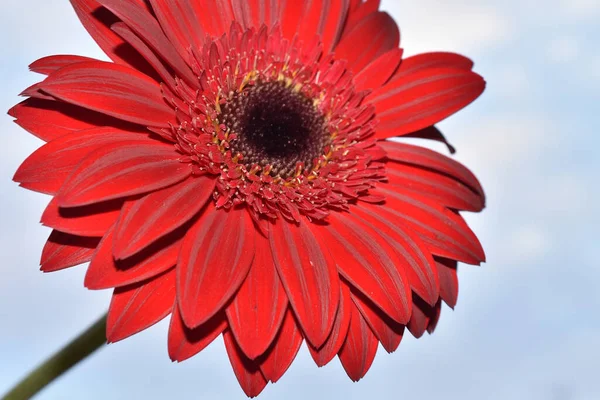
(137, 307)
(246, 371)
(365, 260)
(419, 264)
(292, 13)
(34, 91)
(214, 261)
(97, 22)
(50, 119)
(122, 170)
(388, 332)
(359, 10)
(417, 100)
(435, 186)
(379, 71)
(104, 272)
(49, 166)
(374, 36)
(252, 13)
(148, 28)
(130, 37)
(92, 220)
(180, 20)
(432, 60)
(258, 308)
(318, 17)
(309, 276)
(157, 214)
(64, 251)
(111, 89)
(215, 16)
(437, 226)
(50, 64)
(420, 317)
(431, 133)
(359, 349)
(429, 159)
(333, 18)
(284, 349)
(184, 343)
(332, 346)
(447, 271)
(417, 260)
(435, 317)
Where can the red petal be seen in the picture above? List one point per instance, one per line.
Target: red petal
(122, 170)
(435, 186)
(388, 332)
(64, 251)
(147, 28)
(309, 276)
(431, 133)
(336, 339)
(359, 349)
(141, 47)
(157, 214)
(214, 261)
(185, 343)
(92, 220)
(358, 11)
(374, 36)
(137, 307)
(425, 61)
(431, 160)
(49, 119)
(417, 100)
(104, 272)
(439, 228)
(378, 72)
(246, 371)
(97, 22)
(180, 20)
(284, 350)
(215, 16)
(258, 308)
(447, 271)
(50, 64)
(434, 317)
(416, 257)
(49, 166)
(420, 317)
(369, 263)
(332, 19)
(310, 18)
(111, 89)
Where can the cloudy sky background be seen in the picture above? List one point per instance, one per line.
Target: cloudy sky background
(526, 325)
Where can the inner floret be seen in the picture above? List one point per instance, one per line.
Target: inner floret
(278, 124)
(276, 127)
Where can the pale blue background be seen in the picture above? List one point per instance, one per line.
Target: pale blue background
(526, 325)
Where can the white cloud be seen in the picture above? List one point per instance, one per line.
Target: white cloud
(579, 9)
(38, 28)
(462, 26)
(528, 243)
(563, 49)
(513, 81)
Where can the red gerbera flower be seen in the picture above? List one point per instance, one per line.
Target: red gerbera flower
(230, 167)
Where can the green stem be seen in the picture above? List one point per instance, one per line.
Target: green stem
(81, 347)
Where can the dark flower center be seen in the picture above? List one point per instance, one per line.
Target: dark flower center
(276, 127)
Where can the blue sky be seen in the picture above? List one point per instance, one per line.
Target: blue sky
(526, 325)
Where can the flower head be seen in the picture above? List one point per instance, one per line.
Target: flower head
(231, 168)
